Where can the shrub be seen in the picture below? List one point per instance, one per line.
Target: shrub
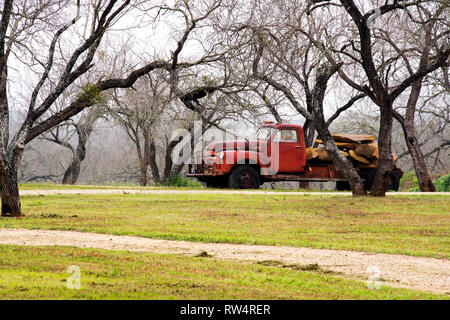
(409, 181)
(442, 184)
(180, 181)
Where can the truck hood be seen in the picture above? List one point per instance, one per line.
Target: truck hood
(218, 146)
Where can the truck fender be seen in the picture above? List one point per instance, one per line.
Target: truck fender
(245, 157)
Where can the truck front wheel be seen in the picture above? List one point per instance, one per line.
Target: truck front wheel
(244, 177)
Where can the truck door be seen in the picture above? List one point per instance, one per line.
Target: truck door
(287, 152)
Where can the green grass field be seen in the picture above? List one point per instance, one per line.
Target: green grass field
(53, 186)
(41, 273)
(415, 225)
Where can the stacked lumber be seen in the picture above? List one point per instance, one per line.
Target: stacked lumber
(361, 149)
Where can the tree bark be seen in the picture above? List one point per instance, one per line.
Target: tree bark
(144, 159)
(153, 164)
(386, 161)
(420, 166)
(143, 178)
(72, 172)
(168, 174)
(142, 163)
(9, 191)
(84, 130)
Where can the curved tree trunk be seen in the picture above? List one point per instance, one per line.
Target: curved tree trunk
(341, 163)
(407, 123)
(420, 166)
(9, 189)
(72, 172)
(84, 129)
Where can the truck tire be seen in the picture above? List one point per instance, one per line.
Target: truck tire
(343, 186)
(369, 177)
(244, 177)
(395, 180)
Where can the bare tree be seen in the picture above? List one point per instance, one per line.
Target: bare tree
(75, 65)
(81, 130)
(382, 92)
(430, 20)
(140, 113)
(15, 27)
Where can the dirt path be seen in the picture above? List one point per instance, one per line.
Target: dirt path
(425, 274)
(201, 191)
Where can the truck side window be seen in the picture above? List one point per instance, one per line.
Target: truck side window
(286, 135)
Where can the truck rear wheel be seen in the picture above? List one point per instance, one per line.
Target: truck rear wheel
(244, 177)
(343, 186)
(395, 179)
(369, 177)
(367, 174)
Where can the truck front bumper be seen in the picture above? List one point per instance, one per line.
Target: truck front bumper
(204, 170)
(200, 170)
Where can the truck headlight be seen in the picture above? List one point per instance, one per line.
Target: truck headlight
(221, 155)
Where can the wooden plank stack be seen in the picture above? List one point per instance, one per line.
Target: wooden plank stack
(362, 150)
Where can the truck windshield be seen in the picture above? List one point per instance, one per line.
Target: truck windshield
(263, 133)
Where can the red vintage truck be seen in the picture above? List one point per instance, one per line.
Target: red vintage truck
(277, 153)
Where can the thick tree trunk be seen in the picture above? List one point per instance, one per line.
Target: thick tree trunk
(143, 156)
(144, 160)
(386, 161)
(72, 172)
(9, 191)
(153, 164)
(168, 165)
(143, 177)
(143, 171)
